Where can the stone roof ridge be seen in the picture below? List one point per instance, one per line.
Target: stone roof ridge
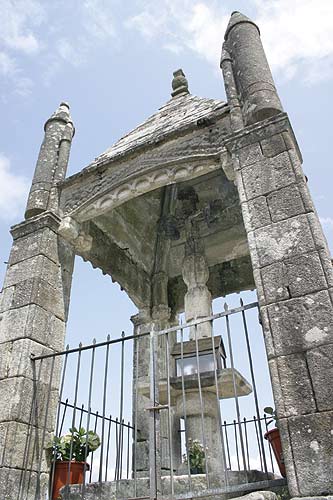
(175, 114)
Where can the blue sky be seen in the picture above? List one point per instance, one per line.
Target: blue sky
(113, 62)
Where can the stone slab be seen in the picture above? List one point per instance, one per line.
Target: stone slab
(312, 445)
(19, 393)
(283, 240)
(293, 393)
(294, 277)
(15, 361)
(320, 365)
(32, 322)
(267, 175)
(285, 203)
(302, 323)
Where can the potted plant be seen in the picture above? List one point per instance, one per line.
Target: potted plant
(76, 445)
(196, 456)
(273, 437)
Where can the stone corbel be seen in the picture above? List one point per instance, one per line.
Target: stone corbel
(228, 166)
(72, 231)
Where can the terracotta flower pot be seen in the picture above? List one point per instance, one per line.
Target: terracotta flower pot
(76, 474)
(273, 437)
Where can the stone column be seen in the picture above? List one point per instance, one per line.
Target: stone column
(198, 304)
(34, 309)
(294, 279)
(141, 378)
(249, 69)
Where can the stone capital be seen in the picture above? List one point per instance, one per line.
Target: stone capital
(46, 219)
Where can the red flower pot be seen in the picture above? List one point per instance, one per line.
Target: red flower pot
(61, 476)
(273, 437)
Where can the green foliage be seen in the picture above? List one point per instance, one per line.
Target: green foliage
(77, 444)
(196, 455)
(270, 411)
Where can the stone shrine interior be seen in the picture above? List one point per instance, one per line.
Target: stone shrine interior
(210, 203)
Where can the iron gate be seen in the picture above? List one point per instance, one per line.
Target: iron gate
(208, 396)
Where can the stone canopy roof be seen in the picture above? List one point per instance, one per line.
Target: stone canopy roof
(179, 113)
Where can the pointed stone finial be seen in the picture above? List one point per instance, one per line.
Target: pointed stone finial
(237, 18)
(179, 83)
(62, 114)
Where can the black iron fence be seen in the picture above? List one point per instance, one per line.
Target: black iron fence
(187, 383)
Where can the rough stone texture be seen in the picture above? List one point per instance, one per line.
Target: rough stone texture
(34, 307)
(311, 441)
(293, 273)
(283, 240)
(293, 393)
(320, 366)
(252, 74)
(16, 483)
(301, 324)
(285, 203)
(48, 329)
(293, 277)
(267, 175)
(257, 212)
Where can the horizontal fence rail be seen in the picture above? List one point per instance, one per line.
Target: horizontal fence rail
(149, 396)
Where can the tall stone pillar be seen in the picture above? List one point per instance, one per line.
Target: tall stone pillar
(294, 279)
(202, 411)
(34, 309)
(250, 71)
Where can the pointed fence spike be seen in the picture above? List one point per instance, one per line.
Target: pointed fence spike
(226, 306)
(241, 302)
(108, 338)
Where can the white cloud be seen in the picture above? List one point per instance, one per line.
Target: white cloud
(18, 21)
(13, 191)
(297, 35)
(9, 70)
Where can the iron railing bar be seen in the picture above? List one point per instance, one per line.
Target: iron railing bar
(234, 384)
(92, 453)
(136, 346)
(184, 406)
(201, 401)
(90, 346)
(106, 365)
(236, 444)
(242, 423)
(128, 452)
(107, 448)
(63, 417)
(117, 438)
(121, 406)
(81, 415)
(94, 414)
(258, 443)
(161, 332)
(92, 365)
(246, 443)
(208, 318)
(223, 464)
(169, 412)
(254, 385)
(269, 448)
(227, 442)
(78, 366)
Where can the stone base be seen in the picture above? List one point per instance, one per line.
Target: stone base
(124, 489)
